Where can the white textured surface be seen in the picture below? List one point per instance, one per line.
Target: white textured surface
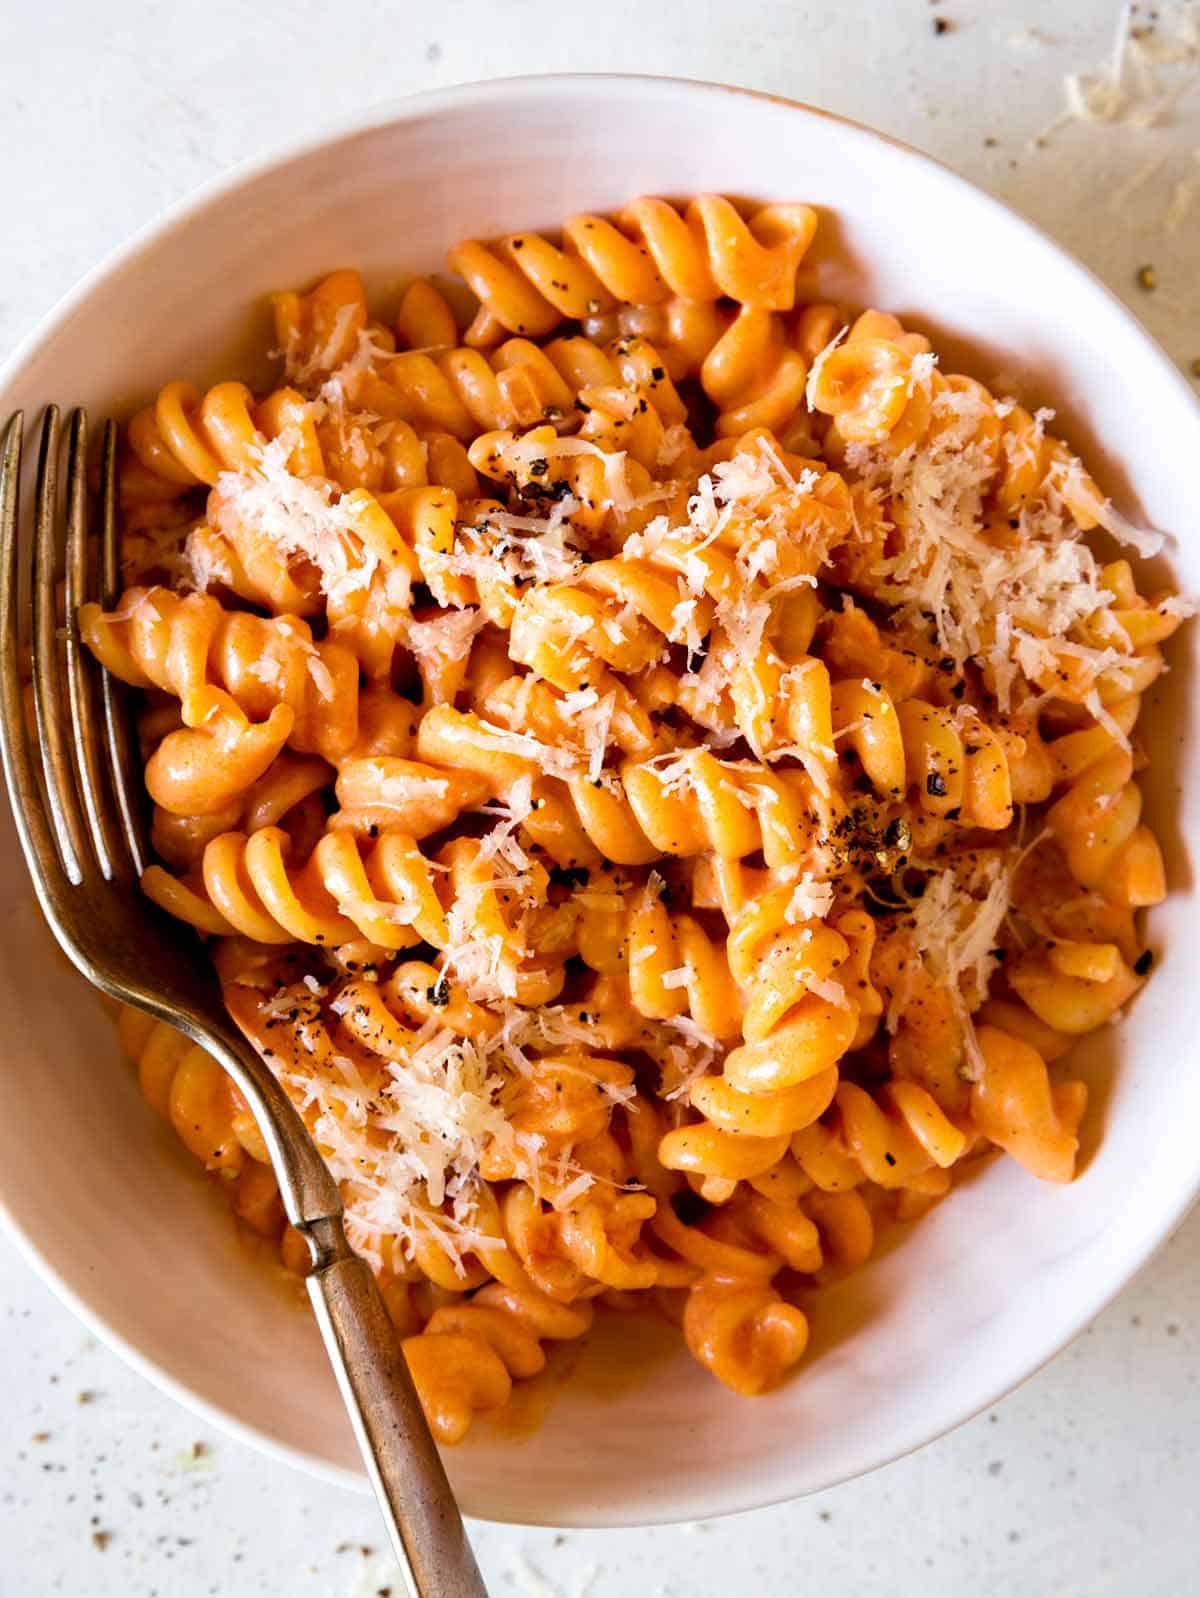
(1083, 1481)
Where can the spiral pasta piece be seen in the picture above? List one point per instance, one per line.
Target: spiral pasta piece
(607, 493)
(318, 331)
(602, 1240)
(1097, 822)
(956, 764)
(381, 791)
(696, 805)
(894, 1138)
(567, 1100)
(620, 396)
(743, 1332)
(797, 1022)
(513, 1322)
(187, 1087)
(754, 375)
(799, 1017)
(682, 331)
(530, 705)
(384, 893)
(456, 391)
(187, 439)
(207, 767)
(678, 583)
(1015, 1105)
(527, 285)
(671, 964)
(193, 648)
(457, 1376)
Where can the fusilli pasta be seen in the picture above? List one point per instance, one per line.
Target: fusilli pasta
(656, 767)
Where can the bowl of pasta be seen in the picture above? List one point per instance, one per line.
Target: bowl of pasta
(651, 672)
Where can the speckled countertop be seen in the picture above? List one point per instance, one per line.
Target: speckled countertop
(1082, 1483)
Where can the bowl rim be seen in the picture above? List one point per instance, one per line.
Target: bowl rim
(446, 100)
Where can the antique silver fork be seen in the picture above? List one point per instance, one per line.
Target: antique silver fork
(79, 815)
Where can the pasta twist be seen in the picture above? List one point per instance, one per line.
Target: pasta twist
(900, 1138)
(619, 396)
(381, 791)
(527, 285)
(681, 331)
(318, 331)
(532, 706)
(193, 648)
(457, 1376)
(865, 384)
(671, 964)
(384, 892)
(743, 1332)
(208, 1114)
(565, 1100)
(508, 763)
(673, 584)
(287, 794)
(754, 375)
(502, 945)
(455, 391)
(187, 1087)
(797, 1023)
(1015, 1105)
(953, 763)
(244, 450)
(331, 347)
(208, 768)
(767, 1213)
(1073, 986)
(596, 1240)
(187, 439)
(465, 1360)
(925, 1018)
(799, 1018)
(1097, 824)
(696, 804)
(607, 494)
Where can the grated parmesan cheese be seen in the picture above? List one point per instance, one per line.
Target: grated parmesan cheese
(683, 1051)
(954, 932)
(1105, 719)
(336, 391)
(437, 1111)
(818, 366)
(999, 606)
(297, 516)
(530, 548)
(320, 673)
(206, 561)
(811, 900)
(554, 760)
(829, 989)
(444, 640)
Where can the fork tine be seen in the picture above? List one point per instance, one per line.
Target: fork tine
(50, 709)
(124, 761)
(24, 789)
(82, 670)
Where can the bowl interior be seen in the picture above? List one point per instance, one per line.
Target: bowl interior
(991, 1283)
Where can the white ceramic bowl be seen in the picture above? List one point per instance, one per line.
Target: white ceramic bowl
(994, 1281)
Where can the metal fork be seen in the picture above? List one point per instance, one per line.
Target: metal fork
(79, 815)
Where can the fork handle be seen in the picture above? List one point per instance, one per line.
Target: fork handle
(406, 1471)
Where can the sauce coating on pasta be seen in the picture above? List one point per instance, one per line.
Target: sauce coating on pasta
(655, 766)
